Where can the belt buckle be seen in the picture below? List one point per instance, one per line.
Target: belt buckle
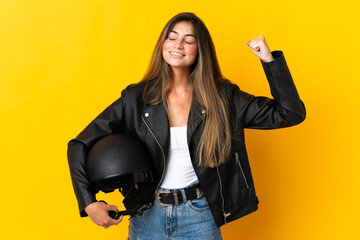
(157, 197)
(199, 193)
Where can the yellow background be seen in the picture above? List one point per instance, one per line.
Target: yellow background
(63, 62)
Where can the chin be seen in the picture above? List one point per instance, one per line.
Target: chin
(179, 66)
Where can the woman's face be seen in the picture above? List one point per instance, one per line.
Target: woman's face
(180, 47)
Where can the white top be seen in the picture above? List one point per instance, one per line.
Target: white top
(179, 171)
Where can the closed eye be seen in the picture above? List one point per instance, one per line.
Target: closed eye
(172, 39)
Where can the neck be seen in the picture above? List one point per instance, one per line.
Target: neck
(181, 79)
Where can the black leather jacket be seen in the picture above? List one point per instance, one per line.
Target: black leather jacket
(228, 188)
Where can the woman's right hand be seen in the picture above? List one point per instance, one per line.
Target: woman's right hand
(99, 214)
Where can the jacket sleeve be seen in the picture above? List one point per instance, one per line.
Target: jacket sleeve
(284, 110)
(111, 120)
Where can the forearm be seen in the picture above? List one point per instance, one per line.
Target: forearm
(76, 158)
(282, 85)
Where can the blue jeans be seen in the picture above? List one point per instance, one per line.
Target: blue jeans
(189, 220)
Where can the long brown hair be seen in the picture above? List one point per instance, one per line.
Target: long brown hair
(214, 146)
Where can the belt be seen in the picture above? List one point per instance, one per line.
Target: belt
(167, 198)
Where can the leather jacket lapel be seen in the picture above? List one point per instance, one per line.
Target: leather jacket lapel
(157, 119)
(196, 115)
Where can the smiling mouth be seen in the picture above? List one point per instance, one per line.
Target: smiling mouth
(176, 54)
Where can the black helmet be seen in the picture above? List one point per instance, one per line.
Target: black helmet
(119, 161)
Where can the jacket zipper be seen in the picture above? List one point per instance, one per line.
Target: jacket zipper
(162, 151)
(242, 172)
(222, 197)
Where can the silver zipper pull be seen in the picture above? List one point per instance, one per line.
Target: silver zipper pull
(237, 157)
(225, 216)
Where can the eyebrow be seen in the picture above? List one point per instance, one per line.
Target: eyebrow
(192, 35)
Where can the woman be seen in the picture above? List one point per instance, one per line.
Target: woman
(192, 119)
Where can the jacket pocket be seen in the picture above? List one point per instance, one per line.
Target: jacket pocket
(241, 169)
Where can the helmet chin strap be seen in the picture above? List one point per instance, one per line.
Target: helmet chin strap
(132, 212)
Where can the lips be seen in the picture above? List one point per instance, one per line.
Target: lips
(176, 53)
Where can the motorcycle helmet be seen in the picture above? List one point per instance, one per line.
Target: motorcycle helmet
(119, 161)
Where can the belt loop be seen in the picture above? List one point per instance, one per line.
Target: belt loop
(183, 195)
(176, 199)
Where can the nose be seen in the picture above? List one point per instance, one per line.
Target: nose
(178, 44)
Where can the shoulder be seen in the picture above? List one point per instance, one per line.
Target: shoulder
(134, 88)
(225, 86)
(234, 95)
(133, 91)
